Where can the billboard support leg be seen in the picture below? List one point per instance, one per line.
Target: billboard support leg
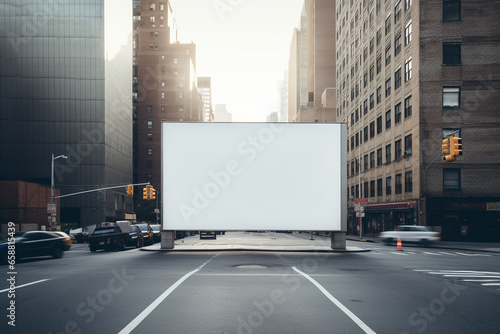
(338, 240)
(167, 239)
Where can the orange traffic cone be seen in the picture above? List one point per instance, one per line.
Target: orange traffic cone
(400, 246)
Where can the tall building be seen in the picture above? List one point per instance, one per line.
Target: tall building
(312, 63)
(205, 90)
(221, 114)
(166, 85)
(65, 89)
(410, 74)
(283, 96)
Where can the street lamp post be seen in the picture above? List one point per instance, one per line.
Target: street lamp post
(52, 183)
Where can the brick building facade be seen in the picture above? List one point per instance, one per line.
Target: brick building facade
(411, 73)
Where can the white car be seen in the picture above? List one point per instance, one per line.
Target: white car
(410, 233)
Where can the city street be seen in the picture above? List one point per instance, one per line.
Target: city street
(199, 290)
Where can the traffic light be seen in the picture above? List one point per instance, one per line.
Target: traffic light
(145, 193)
(447, 150)
(152, 194)
(130, 190)
(455, 146)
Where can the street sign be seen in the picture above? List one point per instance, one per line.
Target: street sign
(51, 207)
(360, 200)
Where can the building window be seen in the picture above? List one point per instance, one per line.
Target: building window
(352, 167)
(372, 73)
(365, 107)
(150, 137)
(388, 25)
(408, 107)
(451, 179)
(409, 182)
(150, 151)
(452, 53)
(181, 95)
(379, 187)
(379, 36)
(397, 149)
(399, 186)
(149, 109)
(358, 166)
(451, 97)
(163, 83)
(149, 164)
(162, 7)
(163, 59)
(397, 45)
(365, 185)
(372, 45)
(388, 154)
(163, 69)
(372, 159)
(397, 113)
(451, 10)
(379, 64)
(379, 94)
(176, 60)
(388, 185)
(357, 139)
(408, 145)
(379, 125)
(387, 119)
(152, 6)
(352, 143)
(408, 4)
(163, 95)
(372, 129)
(379, 157)
(408, 33)
(176, 73)
(388, 87)
(181, 109)
(150, 124)
(162, 108)
(397, 11)
(372, 188)
(408, 69)
(365, 133)
(388, 55)
(372, 101)
(397, 79)
(149, 177)
(365, 80)
(152, 19)
(365, 160)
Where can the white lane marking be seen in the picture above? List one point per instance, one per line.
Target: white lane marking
(491, 284)
(469, 254)
(481, 280)
(27, 284)
(134, 323)
(399, 253)
(344, 309)
(429, 253)
(446, 253)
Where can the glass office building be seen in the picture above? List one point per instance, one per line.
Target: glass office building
(66, 89)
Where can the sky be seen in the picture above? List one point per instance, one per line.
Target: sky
(244, 46)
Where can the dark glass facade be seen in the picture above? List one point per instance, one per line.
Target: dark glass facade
(66, 88)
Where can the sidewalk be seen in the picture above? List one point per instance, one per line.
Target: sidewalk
(490, 247)
(258, 242)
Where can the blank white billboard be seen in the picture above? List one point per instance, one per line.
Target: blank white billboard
(253, 176)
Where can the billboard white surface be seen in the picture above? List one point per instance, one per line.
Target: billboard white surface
(253, 176)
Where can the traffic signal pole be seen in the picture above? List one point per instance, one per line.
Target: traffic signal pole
(100, 189)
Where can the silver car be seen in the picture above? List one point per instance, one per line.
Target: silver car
(410, 233)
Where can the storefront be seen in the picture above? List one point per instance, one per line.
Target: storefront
(467, 219)
(383, 217)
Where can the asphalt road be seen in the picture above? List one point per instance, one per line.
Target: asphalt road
(420, 290)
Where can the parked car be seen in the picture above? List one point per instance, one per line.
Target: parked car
(156, 232)
(38, 243)
(208, 235)
(147, 233)
(410, 233)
